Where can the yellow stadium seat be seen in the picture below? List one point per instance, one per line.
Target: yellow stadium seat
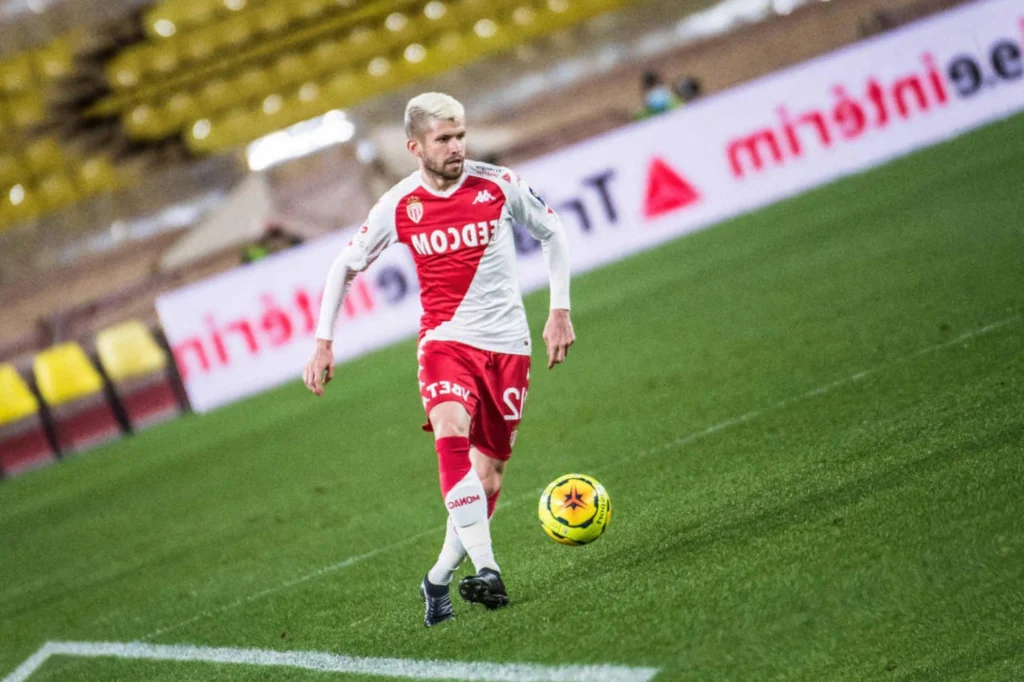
(16, 74)
(16, 400)
(10, 171)
(57, 190)
(24, 443)
(272, 18)
(42, 155)
(291, 67)
(309, 9)
(253, 82)
(64, 374)
(126, 69)
(29, 207)
(216, 94)
(236, 30)
(95, 175)
(27, 110)
(163, 58)
(200, 46)
(198, 11)
(54, 60)
(137, 368)
(128, 351)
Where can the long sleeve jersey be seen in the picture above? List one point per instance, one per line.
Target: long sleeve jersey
(463, 246)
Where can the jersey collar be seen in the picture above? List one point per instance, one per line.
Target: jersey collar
(448, 192)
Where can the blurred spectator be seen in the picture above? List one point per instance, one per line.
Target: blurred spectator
(275, 238)
(688, 89)
(658, 97)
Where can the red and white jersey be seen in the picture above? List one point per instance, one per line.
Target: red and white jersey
(463, 245)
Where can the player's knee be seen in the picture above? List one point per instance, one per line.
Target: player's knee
(450, 419)
(491, 482)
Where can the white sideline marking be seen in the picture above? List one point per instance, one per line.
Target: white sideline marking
(37, 659)
(333, 663)
(31, 664)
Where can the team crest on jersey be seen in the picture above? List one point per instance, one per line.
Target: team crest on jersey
(414, 209)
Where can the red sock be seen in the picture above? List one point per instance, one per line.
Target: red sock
(452, 461)
(492, 502)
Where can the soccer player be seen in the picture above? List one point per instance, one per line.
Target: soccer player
(456, 217)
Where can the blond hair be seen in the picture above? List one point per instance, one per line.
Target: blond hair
(422, 109)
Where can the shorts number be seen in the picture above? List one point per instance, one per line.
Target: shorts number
(513, 395)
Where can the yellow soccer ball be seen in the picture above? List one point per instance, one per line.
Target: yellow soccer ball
(575, 509)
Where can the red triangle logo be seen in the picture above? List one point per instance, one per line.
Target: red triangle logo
(667, 191)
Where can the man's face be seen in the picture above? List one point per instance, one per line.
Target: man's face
(442, 149)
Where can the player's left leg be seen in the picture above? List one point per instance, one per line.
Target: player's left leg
(493, 434)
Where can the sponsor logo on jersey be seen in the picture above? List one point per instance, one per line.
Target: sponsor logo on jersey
(482, 197)
(454, 238)
(463, 501)
(414, 209)
(445, 388)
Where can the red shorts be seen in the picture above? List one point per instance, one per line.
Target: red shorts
(491, 386)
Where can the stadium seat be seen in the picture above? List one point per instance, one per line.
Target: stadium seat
(43, 155)
(16, 74)
(73, 389)
(10, 170)
(24, 444)
(137, 367)
(27, 110)
(95, 175)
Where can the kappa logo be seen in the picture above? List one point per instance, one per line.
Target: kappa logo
(463, 501)
(482, 197)
(414, 209)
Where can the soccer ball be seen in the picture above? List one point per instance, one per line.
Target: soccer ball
(575, 509)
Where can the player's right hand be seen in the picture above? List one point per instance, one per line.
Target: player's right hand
(320, 368)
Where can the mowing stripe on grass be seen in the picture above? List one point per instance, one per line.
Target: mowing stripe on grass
(678, 442)
(344, 563)
(333, 663)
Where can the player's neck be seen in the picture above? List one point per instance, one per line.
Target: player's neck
(436, 182)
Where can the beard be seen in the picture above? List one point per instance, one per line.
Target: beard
(448, 170)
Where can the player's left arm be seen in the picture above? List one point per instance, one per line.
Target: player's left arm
(542, 222)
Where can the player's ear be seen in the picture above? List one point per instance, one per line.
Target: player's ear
(413, 145)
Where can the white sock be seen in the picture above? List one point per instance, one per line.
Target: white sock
(467, 508)
(452, 554)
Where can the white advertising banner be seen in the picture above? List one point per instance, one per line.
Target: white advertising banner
(252, 328)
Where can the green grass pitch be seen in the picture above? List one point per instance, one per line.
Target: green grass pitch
(778, 514)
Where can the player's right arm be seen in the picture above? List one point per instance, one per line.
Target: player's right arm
(376, 235)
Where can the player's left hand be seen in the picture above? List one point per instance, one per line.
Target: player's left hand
(558, 336)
